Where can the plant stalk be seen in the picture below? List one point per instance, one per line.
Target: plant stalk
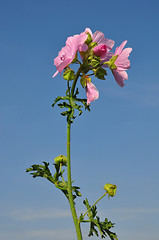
(72, 204)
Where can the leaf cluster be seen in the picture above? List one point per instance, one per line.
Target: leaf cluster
(96, 225)
(71, 103)
(38, 170)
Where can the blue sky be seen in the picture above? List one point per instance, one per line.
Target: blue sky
(117, 142)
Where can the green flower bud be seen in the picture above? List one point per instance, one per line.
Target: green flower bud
(111, 189)
(69, 74)
(61, 159)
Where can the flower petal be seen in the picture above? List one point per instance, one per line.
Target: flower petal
(120, 76)
(120, 48)
(99, 38)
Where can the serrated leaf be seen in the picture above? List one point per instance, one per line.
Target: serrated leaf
(96, 225)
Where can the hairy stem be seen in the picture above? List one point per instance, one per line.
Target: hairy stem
(72, 204)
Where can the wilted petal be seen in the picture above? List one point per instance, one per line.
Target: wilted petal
(92, 92)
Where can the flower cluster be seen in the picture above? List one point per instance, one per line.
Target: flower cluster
(96, 55)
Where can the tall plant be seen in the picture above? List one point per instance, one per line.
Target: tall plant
(92, 53)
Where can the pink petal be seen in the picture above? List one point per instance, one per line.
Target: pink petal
(120, 76)
(122, 61)
(63, 64)
(100, 50)
(92, 92)
(99, 38)
(120, 48)
(55, 74)
(88, 30)
(107, 57)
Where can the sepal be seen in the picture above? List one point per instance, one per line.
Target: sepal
(69, 74)
(100, 73)
(111, 62)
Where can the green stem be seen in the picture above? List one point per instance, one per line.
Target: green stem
(75, 81)
(94, 204)
(72, 205)
(61, 173)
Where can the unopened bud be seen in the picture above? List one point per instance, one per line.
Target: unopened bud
(111, 189)
(61, 159)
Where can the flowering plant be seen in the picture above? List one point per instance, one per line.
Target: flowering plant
(92, 52)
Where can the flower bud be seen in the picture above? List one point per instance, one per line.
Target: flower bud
(111, 189)
(100, 50)
(61, 159)
(69, 74)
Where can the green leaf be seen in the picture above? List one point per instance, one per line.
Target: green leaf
(96, 225)
(41, 171)
(59, 98)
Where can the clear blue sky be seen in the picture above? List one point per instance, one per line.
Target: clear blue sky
(117, 142)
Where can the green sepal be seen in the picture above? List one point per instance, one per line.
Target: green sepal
(94, 61)
(111, 62)
(69, 74)
(93, 44)
(75, 59)
(100, 73)
(89, 39)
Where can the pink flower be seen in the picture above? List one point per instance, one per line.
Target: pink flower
(68, 53)
(122, 63)
(99, 38)
(104, 45)
(92, 92)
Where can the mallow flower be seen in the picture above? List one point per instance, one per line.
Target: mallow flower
(68, 53)
(122, 63)
(104, 45)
